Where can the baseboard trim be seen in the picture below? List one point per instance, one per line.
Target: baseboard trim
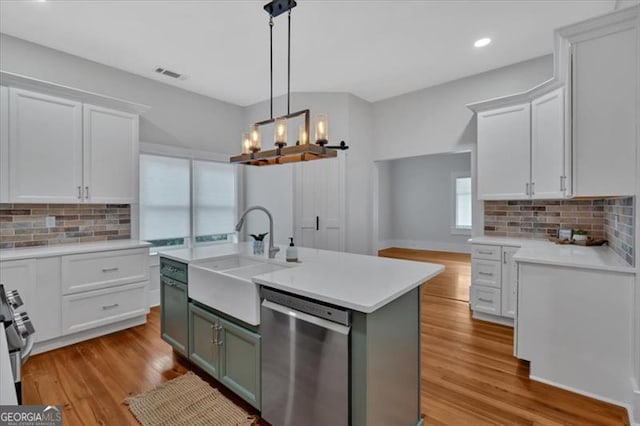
(426, 245)
(71, 339)
(624, 405)
(492, 318)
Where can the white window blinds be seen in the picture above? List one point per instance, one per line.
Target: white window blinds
(164, 198)
(214, 198)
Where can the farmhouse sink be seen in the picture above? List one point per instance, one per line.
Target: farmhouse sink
(225, 284)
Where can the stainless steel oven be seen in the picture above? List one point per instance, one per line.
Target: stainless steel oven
(305, 361)
(19, 334)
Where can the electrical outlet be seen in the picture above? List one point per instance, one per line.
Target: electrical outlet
(50, 221)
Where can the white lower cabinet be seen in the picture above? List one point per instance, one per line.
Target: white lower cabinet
(92, 309)
(493, 283)
(55, 296)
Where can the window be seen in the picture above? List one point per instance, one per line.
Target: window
(185, 202)
(461, 204)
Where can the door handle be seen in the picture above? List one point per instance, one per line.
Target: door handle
(79, 193)
(317, 223)
(86, 192)
(526, 188)
(107, 307)
(533, 185)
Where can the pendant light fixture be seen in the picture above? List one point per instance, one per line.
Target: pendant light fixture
(252, 153)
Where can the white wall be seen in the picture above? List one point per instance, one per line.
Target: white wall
(420, 202)
(435, 120)
(177, 117)
(272, 188)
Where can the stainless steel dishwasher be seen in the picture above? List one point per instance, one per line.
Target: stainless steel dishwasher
(305, 361)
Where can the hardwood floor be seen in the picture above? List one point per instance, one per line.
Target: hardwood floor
(92, 378)
(469, 375)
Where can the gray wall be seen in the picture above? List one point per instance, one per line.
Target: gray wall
(419, 195)
(435, 120)
(177, 117)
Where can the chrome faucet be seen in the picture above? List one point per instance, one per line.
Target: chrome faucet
(272, 250)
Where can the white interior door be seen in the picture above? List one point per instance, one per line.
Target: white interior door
(320, 204)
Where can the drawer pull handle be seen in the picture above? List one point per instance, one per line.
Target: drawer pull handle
(109, 269)
(106, 308)
(481, 299)
(485, 252)
(486, 274)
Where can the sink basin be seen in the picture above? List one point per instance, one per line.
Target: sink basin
(225, 284)
(228, 262)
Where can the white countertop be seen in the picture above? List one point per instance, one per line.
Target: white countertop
(7, 387)
(568, 255)
(358, 282)
(63, 249)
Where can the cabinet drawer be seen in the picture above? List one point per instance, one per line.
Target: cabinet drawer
(92, 271)
(175, 270)
(486, 273)
(479, 251)
(485, 299)
(97, 308)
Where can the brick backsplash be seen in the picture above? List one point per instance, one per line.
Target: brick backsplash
(541, 219)
(23, 225)
(619, 227)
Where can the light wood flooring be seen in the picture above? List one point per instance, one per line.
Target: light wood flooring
(469, 373)
(469, 376)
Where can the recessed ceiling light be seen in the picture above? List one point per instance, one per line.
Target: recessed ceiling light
(482, 42)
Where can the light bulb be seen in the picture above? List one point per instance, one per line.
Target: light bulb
(322, 129)
(246, 144)
(280, 136)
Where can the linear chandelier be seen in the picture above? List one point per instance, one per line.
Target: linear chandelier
(252, 153)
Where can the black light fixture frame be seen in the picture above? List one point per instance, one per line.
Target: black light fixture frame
(299, 152)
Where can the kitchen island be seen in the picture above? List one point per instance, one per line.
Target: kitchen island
(383, 300)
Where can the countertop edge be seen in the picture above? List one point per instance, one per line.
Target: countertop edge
(546, 261)
(67, 249)
(367, 309)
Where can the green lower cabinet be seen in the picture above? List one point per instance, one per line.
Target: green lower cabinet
(204, 346)
(227, 351)
(240, 362)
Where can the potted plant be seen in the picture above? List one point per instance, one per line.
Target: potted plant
(258, 243)
(579, 234)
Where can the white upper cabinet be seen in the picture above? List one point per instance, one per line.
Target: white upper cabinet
(64, 151)
(521, 150)
(110, 155)
(45, 148)
(605, 81)
(548, 179)
(504, 153)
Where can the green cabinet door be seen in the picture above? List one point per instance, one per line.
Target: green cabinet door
(240, 362)
(204, 340)
(174, 318)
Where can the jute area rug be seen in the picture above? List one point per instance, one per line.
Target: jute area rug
(187, 400)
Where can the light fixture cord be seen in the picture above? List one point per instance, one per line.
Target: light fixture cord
(271, 61)
(289, 65)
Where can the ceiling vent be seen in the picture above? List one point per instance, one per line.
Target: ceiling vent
(170, 73)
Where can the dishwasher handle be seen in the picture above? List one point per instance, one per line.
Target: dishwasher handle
(338, 328)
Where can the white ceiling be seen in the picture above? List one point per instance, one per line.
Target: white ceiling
(373, 49)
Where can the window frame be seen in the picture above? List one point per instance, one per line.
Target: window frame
(455, 229)
(191, 156)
